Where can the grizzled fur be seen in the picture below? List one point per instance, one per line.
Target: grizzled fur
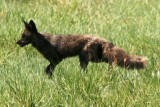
(87, 47)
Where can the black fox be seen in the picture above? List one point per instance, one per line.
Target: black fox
(55, 48)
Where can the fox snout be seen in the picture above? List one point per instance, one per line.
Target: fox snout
(22, 43)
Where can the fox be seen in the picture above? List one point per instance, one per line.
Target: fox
(88, 48)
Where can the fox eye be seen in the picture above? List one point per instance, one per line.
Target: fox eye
(23, 36)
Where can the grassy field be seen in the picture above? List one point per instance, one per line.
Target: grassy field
(133, 25)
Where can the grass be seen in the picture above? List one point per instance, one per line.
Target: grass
(133, 25)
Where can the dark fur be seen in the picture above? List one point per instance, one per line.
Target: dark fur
(88, 48)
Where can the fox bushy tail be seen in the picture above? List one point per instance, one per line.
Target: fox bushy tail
(138, 62)
(121, 58)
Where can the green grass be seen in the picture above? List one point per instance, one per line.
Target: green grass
(133, 25)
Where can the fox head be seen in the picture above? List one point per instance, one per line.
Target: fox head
(28, 33)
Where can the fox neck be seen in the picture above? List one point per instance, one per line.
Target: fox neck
(39, 42)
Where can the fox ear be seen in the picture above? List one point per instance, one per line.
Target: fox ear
(26, 24)
(32, 26)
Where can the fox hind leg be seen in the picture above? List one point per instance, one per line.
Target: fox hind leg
(84, 60)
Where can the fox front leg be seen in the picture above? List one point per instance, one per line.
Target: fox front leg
(50, 68)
